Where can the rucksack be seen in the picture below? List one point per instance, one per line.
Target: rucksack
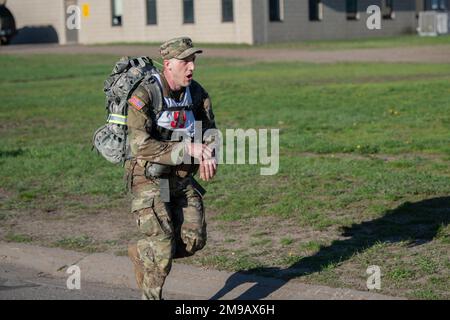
(111, 140)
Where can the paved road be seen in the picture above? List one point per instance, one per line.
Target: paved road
(21, 283)
(423, 54)
(31, 272)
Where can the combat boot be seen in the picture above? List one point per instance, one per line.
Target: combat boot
(133, 254)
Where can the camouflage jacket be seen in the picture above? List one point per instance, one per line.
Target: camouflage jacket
(144, 146)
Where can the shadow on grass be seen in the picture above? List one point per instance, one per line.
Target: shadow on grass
(414, 223)
(11, 153)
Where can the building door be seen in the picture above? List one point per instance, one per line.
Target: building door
(71, 33)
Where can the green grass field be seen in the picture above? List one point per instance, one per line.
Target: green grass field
(364, 173)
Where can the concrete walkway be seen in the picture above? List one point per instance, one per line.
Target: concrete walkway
(184, 282)
(422, 54)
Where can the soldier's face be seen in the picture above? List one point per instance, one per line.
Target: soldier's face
(182, 71)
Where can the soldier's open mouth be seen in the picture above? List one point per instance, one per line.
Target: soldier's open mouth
(189, 76)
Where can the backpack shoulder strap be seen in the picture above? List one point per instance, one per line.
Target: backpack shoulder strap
(153, 87)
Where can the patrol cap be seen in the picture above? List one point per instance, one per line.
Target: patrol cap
(178, 48)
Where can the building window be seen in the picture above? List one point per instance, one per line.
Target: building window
(315, 10)
(188, 11)
(351, 7)
(151, 12)
(227, 11)
(276, 8)
(117, 11)
(387, 9)
(435, 5)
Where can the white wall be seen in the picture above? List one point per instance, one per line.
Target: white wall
(208, 26)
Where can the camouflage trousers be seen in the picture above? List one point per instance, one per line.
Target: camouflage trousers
(171, 230)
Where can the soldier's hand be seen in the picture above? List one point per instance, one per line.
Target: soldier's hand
(195, 150)
(208, 169)
(208, 152)
(202, 171)
(208, 163)
(199, 151)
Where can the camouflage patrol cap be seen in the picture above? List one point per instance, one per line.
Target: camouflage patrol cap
(178, 48)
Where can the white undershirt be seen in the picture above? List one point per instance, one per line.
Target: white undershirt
(166, 117)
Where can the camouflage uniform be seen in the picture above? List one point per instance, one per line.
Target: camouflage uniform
(177, 228)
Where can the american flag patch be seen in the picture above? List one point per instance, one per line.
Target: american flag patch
(136, 102)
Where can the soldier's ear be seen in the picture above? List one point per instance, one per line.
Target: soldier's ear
(167, 64)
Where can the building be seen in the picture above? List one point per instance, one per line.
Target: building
(212, 21)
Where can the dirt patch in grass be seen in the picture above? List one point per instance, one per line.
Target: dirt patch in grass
(262, 241)
(406, 242)
(87, 229)
(4, 194)
(336, 256)
(112, 230)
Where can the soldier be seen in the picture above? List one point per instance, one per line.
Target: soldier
(166, 200)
